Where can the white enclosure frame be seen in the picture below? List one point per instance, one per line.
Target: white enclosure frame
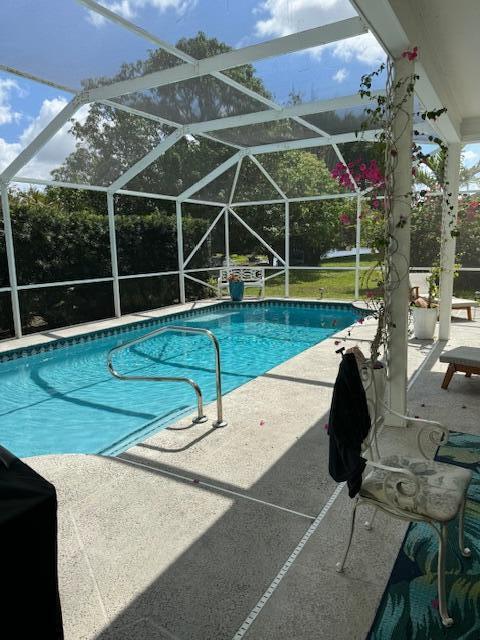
(188, 69)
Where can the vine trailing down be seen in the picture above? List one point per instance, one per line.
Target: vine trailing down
(377, 185)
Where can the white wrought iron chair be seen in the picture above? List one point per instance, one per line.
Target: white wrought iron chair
(416, 489)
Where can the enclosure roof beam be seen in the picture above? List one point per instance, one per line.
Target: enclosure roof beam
(30, 76)
(321, 141)
(279, 46)
(272, 115)
(210, 176)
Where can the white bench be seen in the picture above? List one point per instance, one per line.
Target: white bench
(250, 276)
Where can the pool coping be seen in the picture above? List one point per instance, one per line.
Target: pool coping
(52, 342)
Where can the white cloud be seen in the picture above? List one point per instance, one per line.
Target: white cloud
(289, 16)
(54, 152)
(128, 9)
(7, 113)
(340, 76)
(471, 156)
(364, 48)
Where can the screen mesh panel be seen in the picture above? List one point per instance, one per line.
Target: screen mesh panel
(196, 220)
(181, 166)
(265, 133)
(219, 189)
(194, 100)
(146, 234)
(52, 307)
(339, 121)
(253, 185)
(96, 147)
(139, 294)
(61, 41)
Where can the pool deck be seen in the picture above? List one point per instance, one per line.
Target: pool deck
(189, 535)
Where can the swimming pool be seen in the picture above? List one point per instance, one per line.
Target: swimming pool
(60, 398)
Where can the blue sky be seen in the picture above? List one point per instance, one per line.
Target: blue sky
(66, 43)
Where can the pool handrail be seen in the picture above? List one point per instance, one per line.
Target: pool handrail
(220, 422)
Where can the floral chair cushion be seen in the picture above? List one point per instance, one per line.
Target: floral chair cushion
(442, 487)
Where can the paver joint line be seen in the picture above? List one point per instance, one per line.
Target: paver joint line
(243, 630)
(210, 485)
(90, 568)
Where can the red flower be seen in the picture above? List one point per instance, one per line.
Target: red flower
(375, 203)
(344, 218)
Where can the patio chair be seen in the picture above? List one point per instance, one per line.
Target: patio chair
(419, 289)
(412, 488)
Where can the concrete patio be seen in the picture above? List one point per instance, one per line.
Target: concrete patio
(219, 534)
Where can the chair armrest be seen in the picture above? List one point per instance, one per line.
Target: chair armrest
(397, 477)
(436, 432)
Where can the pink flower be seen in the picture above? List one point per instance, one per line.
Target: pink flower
(375, 203)
(344, 219)
(410, 54)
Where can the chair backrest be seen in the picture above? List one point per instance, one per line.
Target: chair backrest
(374, 382)
(419, 279)
(247, 274)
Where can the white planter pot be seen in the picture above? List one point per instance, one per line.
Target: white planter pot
(424, 321)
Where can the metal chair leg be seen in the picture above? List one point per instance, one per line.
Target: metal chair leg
(442, 596)
(465, 551)
(369, 523)
(339, 566)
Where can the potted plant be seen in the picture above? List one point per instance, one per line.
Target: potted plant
(425, 310)
(235, 286)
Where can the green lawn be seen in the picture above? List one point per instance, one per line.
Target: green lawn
(306, 283)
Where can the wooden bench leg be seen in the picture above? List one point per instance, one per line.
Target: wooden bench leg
(469, 313)
(448, 376)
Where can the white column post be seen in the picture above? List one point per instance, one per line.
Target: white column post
(181, 268)
(113, 254)
(357, 247)
(12, 273)
(227, 237)
(287, 249)
(398, 252)
(447, 242)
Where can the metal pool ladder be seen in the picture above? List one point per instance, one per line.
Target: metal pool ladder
(220, 422)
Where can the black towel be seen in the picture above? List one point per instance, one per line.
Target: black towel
(348, 426)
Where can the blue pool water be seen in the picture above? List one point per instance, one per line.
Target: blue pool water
(65, 401)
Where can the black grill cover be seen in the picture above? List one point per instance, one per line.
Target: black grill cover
(28, 547)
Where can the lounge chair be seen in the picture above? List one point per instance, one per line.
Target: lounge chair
(463, 359)
(419, 289)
